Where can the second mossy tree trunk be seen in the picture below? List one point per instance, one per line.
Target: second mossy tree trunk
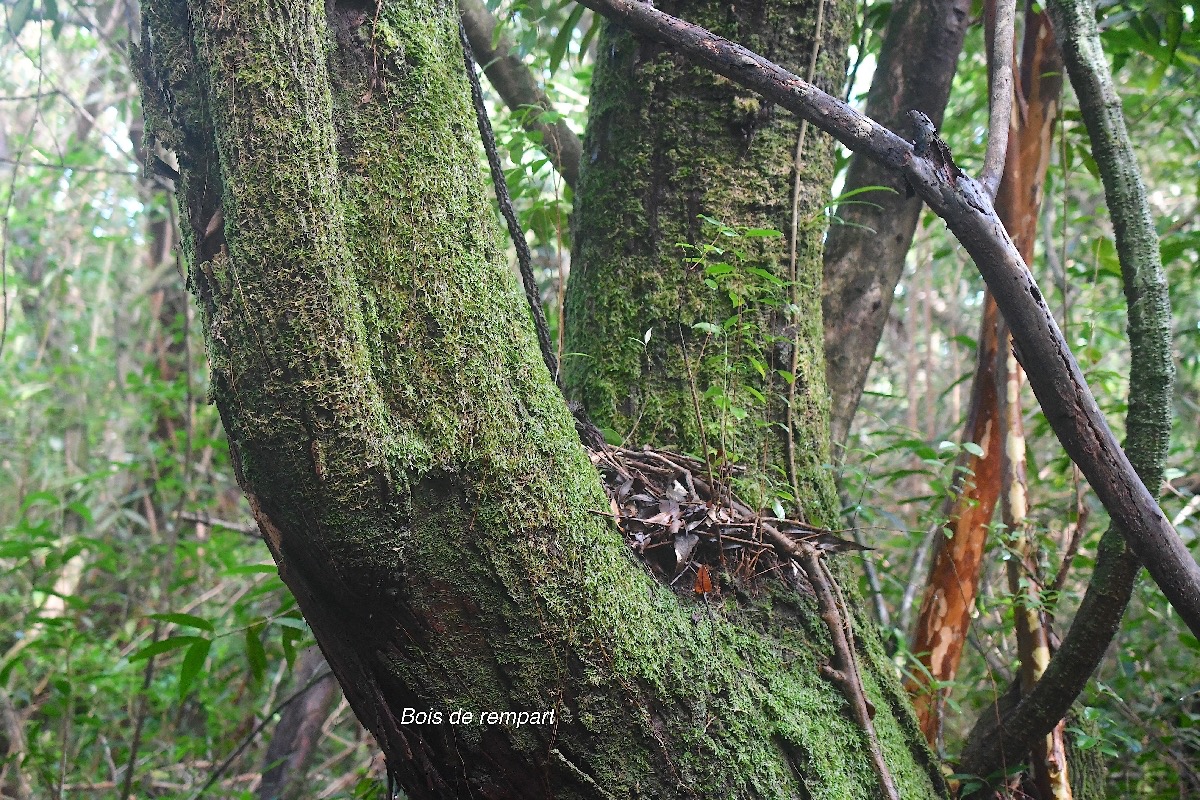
(411, 465)
(668, 145)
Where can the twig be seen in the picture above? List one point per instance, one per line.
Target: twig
(204, 518)
(687, 363)
(515, 84)
(1069, 552)
(132, 173)
(139, 723)
(524, 260)
(844, 672)
(237, 751)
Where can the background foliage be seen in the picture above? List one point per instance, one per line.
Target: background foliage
(146, 643)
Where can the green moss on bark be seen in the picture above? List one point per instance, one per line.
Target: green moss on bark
(667, 142)
(409, 460)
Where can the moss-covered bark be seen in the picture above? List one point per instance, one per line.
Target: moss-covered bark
(667, 142)
(412, 467)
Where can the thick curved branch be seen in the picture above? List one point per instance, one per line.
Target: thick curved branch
(1151, 376)
(512, 80)
(1053, 372)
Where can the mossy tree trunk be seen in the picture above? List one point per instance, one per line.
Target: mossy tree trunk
(669, 143)
(414, 471)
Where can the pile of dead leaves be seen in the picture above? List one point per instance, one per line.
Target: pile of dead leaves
(681, 516)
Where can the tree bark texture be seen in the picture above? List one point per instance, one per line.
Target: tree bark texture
(940, 632)
(1054, 374)
(411, 465)
(865, 250)
(669, 141)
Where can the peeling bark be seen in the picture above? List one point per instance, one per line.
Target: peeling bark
(940, 632)
(1149, 420)
(938, 638)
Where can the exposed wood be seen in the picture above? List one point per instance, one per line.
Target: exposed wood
(940, 631)
(1000, 474)
(1019, 204)
(1148, 423)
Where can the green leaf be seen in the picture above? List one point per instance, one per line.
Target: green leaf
(82, 510)
(193, 662)
(19, 16)
(563, 41)
(49, 498)
(707, 327)
(590, 34)
(770, 233)
(186, 620)
(20, 548)
(762, 273)
(973, 449)
(165, 645)
(255, 654)
(841, 198)
(295, 622)
(287, 639)
(1090, 163)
